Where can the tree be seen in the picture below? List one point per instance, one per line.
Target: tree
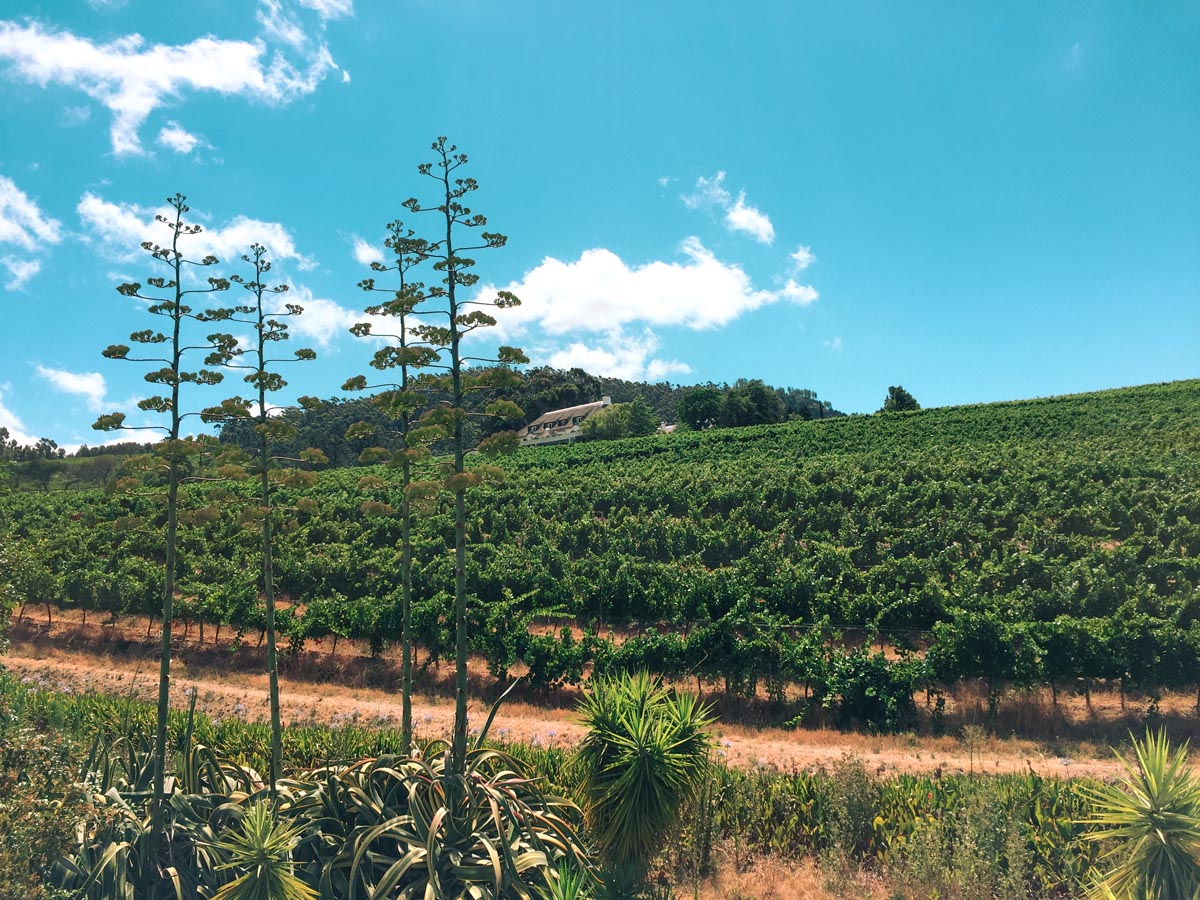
(608, 424)
(700, 408)
(169, 304)
(751, 403)
(642, 420)
(268, 328)
(400, 403)
(462, 317)
(899, 400)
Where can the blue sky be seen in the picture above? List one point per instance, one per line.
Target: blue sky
(977, 201)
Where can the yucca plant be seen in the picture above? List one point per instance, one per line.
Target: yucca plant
(1153, 815)
(262, 851)
(641, 759)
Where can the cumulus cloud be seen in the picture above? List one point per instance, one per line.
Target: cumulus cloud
(175, 137)
(711, 195)
(614, 355)
(322, 319)
(23, 224)
(133, 78)
(118, 230)
(601, 293)
(834, 344)
(800, 294)
(365, 252)
(88, 385)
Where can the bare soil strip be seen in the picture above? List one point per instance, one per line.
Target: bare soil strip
(244, 695)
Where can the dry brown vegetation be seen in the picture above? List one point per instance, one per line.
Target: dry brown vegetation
(324, 686)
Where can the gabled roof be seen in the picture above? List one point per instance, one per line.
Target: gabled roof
(569, 413)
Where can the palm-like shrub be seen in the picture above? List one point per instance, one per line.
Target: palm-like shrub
(261, 850)
(641, 759)
(1154, 815)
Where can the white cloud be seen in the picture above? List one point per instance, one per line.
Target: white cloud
(800, 294)
(10, 420)
(616, 355)
(749, 219)
(133, 78)
(322, 319)
(330, 9)
(834, 344)
(710, 195)
(20, 271)
(802, 258)
(280, 24)
(365, 252)
(345, 77)
(23, 223)
(120, 228)
(601, 293)
(89, 385)
(174, 137)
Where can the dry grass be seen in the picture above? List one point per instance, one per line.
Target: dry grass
(769, 878)
(320, 685)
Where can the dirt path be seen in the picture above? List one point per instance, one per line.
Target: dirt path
(244, 695)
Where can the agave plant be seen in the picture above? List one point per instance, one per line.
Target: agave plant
(417, 827)
(641, 759)
(1154, 816)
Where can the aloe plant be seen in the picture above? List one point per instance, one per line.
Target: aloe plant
(1153, 814)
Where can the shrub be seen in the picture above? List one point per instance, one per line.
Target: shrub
(641, 759)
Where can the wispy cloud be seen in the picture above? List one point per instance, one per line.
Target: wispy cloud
(133, 78)
(802, 258)
(710, 194)
(175, 137)
(19, 271)
(88, 385)
(25, 225)
(834, 344)
(1075, 57)
(118, 229)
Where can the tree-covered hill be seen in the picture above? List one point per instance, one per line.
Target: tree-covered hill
(1024, 542)
(540, 389)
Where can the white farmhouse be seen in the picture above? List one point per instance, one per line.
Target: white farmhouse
(560, 426)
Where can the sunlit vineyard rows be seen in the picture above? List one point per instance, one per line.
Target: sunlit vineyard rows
(1036, 542)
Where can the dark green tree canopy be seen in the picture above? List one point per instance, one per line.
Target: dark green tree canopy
(899, 400)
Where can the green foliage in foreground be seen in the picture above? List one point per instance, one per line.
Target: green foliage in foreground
(931, 833)
(1154, 816)
(643, 755)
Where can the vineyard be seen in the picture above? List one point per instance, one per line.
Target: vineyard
(836, 566)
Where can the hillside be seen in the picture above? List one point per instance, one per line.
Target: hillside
(1025, 542)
